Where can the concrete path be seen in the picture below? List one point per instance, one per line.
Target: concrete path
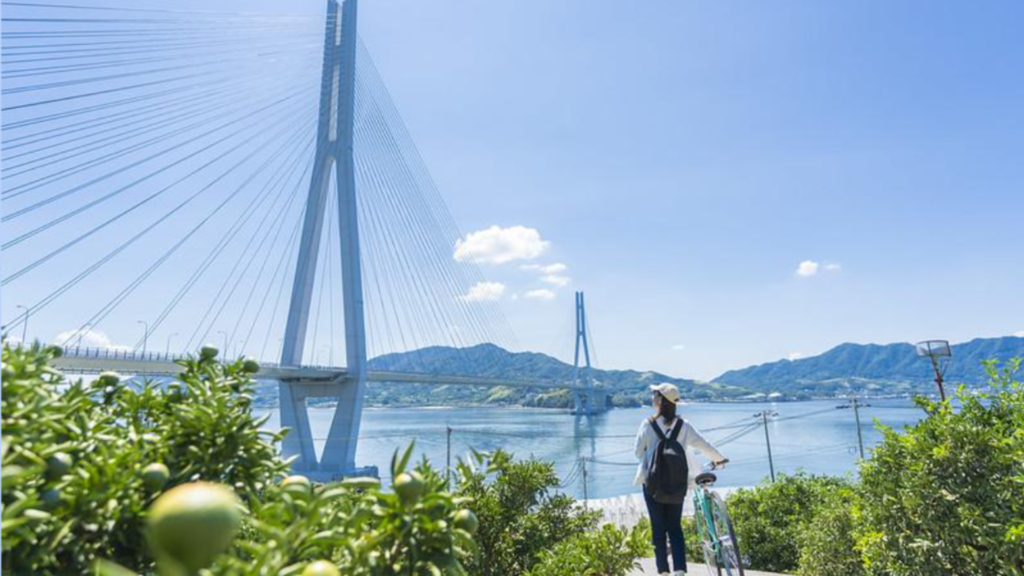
(648, 569)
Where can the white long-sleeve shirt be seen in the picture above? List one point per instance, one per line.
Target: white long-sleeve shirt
(689, 437)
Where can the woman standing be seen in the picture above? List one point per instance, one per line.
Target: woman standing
(667, 519)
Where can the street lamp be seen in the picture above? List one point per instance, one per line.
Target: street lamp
(81, 334)
(168, 352)
(145, 334)
(225, 341)
(24, 326)
(939, 352)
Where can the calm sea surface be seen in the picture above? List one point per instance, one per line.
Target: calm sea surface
(811, 436)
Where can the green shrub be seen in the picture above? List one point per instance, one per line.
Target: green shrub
(827, 541)
(79, 476)
(770, 518)
(947, 495)
(694, 551)
(607, 551)
(519, 515)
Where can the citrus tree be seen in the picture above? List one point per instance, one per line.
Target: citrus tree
(520, 513)
(947, 495)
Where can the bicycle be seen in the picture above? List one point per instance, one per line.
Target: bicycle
(718, 539)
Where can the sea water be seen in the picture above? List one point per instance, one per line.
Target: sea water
(816, 437)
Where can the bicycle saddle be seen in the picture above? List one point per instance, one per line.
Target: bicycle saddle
(705, 478)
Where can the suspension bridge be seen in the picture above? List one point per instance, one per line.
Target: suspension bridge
(238, 175)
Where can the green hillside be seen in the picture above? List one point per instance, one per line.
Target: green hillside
(872, 369)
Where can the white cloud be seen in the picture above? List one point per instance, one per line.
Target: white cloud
(679, 347)
(88, 339)
(1019, 334)
(541, 294)
(794, 355)
(497, 245)
(556, 268)
(556, 280)
(809, 268)
(484, 291)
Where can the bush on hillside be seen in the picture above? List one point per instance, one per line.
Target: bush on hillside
(947, 495)
(770, 518)
(520, 514)
(827, 540)
(607, 551)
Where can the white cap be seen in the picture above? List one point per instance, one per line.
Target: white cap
(668, 391)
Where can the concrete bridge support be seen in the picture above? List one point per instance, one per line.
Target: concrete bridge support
(334, 151)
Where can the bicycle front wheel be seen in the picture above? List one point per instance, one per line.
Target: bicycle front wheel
(707, 541)
(731, 563)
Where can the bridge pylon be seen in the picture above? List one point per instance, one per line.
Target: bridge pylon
(334, 151)
(587, 399)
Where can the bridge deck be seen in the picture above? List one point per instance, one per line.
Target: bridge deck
(77, 361)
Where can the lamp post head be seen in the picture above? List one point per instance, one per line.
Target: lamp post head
(934, 349)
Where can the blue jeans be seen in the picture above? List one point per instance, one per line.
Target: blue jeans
(666, 526)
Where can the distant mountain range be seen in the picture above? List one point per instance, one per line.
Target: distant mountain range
(863, 369)
(626, 387)
(872, 369)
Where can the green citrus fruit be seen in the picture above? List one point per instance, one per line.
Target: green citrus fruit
(321, 568)
(208, 352)
(250, 365)
(155, 476)
(58, 465)
(109, 378)
(409, 487)
(50, 498)
(466, 520)
(297, 484)
(193, 523)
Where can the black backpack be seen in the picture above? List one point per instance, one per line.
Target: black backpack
(668, 476)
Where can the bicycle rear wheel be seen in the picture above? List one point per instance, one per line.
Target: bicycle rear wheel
(731, 563)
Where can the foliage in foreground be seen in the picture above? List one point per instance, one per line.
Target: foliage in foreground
(944, 496)
(82, 463)
(520, 515)
(607, 551)
(947, 496)
(107, 474)
(770, 518)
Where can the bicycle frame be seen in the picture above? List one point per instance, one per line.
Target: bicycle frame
(706, 523)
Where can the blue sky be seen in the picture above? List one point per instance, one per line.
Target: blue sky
(682, 159)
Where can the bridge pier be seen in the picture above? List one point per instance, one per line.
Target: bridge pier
(338, 458)
(589, 401)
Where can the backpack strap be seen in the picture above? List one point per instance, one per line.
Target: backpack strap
(657, 429)
(675, 429)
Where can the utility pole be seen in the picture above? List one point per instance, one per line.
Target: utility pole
(768, 443)
(24, 327)
(145, 334)
(860, 435)
(167, 352)
(586, 497)
(448, 464)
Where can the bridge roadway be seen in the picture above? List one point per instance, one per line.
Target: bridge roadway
(94, 361)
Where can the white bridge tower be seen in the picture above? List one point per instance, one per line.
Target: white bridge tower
(586, 400)
(333, 152)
